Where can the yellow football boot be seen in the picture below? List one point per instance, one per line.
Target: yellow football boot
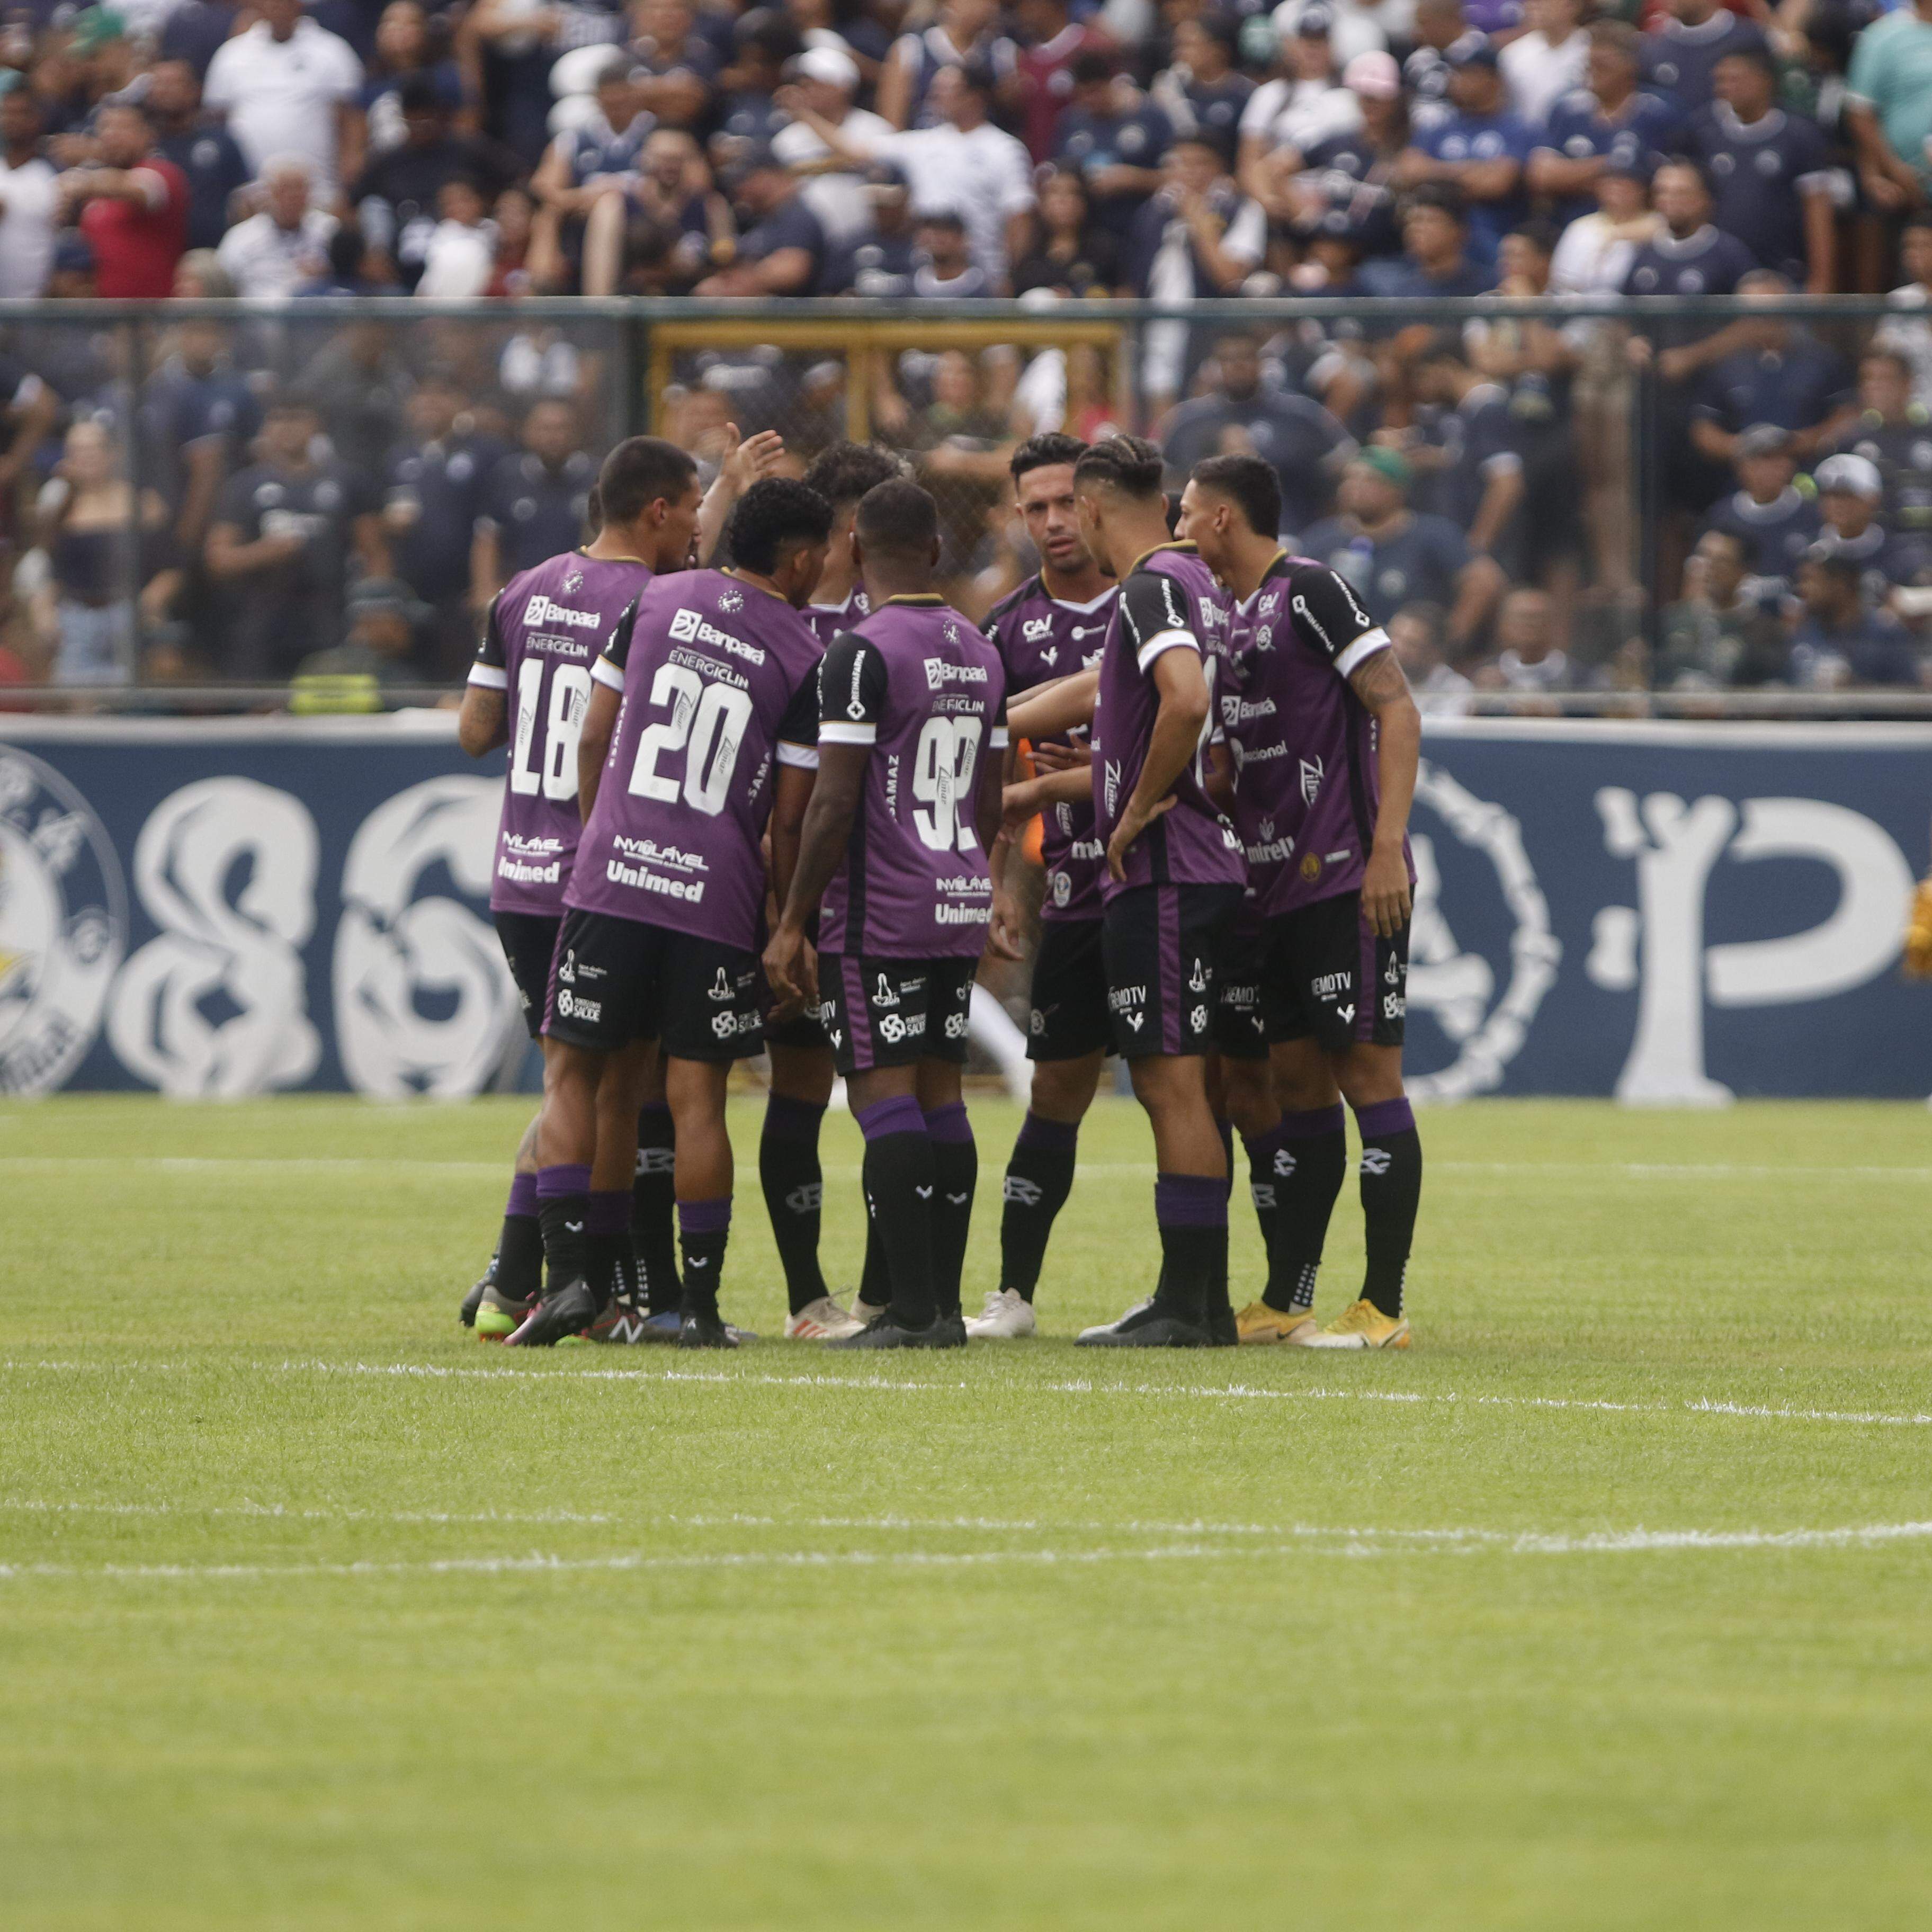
(1258, 1322)
(1362, 1325)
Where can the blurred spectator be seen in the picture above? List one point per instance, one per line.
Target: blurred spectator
(1888, 107)
(193, 32)
(28, 195)
(943, 269)
(882, 262)
(967, 34)
(1606, 122)
(534, 502)
(1719, 636)
(1479, 150)
(269, 256)
(1773, 185)
(1392, 555)
(599, 159)
(1767, 511)
(1439, 689)
(1042, 82)
(1115, 137)
(1342, 185)
(1468, 450)
(1435, 260)
(1910, 334)
(784, 253)
(1305, 105)
(746, 107)
(962, 445)
(833, 188)
(1071, 254)
(1439, 25)
(1354, 27)
(1850, 491)
(374, 658)
(197, 420)
(675, 65)
(200, 146)
(1529, 656)
(1841, 641)
(290, 87)
(405, 51)
(460, 255)
(1204, 92)
(1306, 446)
(111, 565)
(1893, 432)
(1681, 57)
(132, 206)
(1778, 374)
(671, 212)
(284, 533)
(1596, 252)
(357, 382)
(1546, 61)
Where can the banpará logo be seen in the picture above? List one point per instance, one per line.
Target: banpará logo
(689, 627)
(544, 609)
(939, 673)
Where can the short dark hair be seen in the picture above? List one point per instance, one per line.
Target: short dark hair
(1250, 484)
(1762, 58)
(1130, 464)
(1042, 451)
(898, 517)
(1443, 197)
(638, 472)
(775, 511)
(842, 473)
(1445, 345)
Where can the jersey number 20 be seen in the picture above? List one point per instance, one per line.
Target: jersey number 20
(707, 724)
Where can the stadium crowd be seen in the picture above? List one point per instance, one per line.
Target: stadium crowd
(280, 497)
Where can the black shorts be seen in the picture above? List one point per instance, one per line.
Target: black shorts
(529, 942)
(614, 980)
(1068, 1019)
(1162, 944)
(890, 1012)
(1317, 973)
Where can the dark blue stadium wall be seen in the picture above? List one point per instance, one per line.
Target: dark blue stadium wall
(1665, 913)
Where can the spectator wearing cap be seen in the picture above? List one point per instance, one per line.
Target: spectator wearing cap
(832, 184)
(1681, 57)
(1072, 255)
(1767, 510)
(1198, 237)
(282, 534)
(98, 60)
(1392, 555)
(1850, 491)
(1889, 107)
(1779, 375)
(131, 204)
(1302, 105)
(1306, 445)
(273, 252)
(967, 34)
(1894, 433)
(535, 500)
(880, 262)
(1040, 82)
(203, 149)
(290, 87)
(1841, 641)
(1116, 140)
(961, 162)
(1609, 121)
(1435, 261)
(1772, 182)
(783, 253)
(1718, 635)
(1343, 184)
(28, 196)
(599, 159)
(382, 619)
(1352, 28)
(1480, 150)
(395, 196)
(1547, 60)
(1204, 91)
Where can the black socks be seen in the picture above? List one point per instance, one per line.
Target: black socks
(653, 1194)
(1295, 1174)
(956, 1174)
(900, 1186)
(794, 1187)
(1039, 1176)
(1391, 1182)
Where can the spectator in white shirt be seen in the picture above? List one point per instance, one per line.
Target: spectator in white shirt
(290, 87)
(28, 196)
(273, 253)
(1543, 65)
(1441, 690)
(1354, 28)
(1305, 105)
(460, 255)
(834, 188)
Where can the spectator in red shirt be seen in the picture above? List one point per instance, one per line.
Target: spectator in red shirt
(1042, 82)
(132, 206)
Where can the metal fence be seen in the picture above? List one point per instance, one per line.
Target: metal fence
(224, 505)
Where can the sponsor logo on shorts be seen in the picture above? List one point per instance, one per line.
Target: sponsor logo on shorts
(1198, 1019)
(1393, 1005)
(721, 988)
(574, 1006)
(956, 1024)
(884, 996)
(1330, 985)
(1036, 1022)
(896, 1027)
(726, 1025)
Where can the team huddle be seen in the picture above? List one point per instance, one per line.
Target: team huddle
(770, 807)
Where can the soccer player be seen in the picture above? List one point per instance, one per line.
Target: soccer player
(912, 726)
(1325, 736)
(1175, 873)
(1053, 624)
(717, 671)
(789, 1170)
(539, 639)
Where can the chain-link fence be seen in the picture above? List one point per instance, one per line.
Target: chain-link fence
(1697, 505)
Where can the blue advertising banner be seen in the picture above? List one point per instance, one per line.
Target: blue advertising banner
(1669, 914)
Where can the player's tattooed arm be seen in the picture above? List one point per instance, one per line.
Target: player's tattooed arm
(1378, 682)
(822, 844)
(482, 724)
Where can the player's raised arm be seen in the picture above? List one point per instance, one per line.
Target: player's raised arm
(744, 464)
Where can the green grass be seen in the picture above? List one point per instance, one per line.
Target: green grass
(1022, 1637)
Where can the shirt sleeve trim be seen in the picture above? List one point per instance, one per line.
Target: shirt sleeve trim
(491, 677)
(1362, 650)
(801, 757)
(997, 738)
(607, 674)
(838, 733)
(1165, 640)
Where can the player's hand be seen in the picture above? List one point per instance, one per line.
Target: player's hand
(1133, 822)
(743, 463)
(1385, 891)
(1019, 803)
(785, 965)
(1055, 757)
(1003, 929)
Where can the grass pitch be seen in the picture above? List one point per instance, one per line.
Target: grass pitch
(1607, 1606)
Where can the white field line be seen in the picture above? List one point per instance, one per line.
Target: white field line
(1231, 1392)
(1299, 1539)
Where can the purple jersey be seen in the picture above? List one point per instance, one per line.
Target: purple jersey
(827, 620)
(1169, 601)
(719, 684)
(544, 629)
(1306, 786)
(1039, 639)
(927, 693)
